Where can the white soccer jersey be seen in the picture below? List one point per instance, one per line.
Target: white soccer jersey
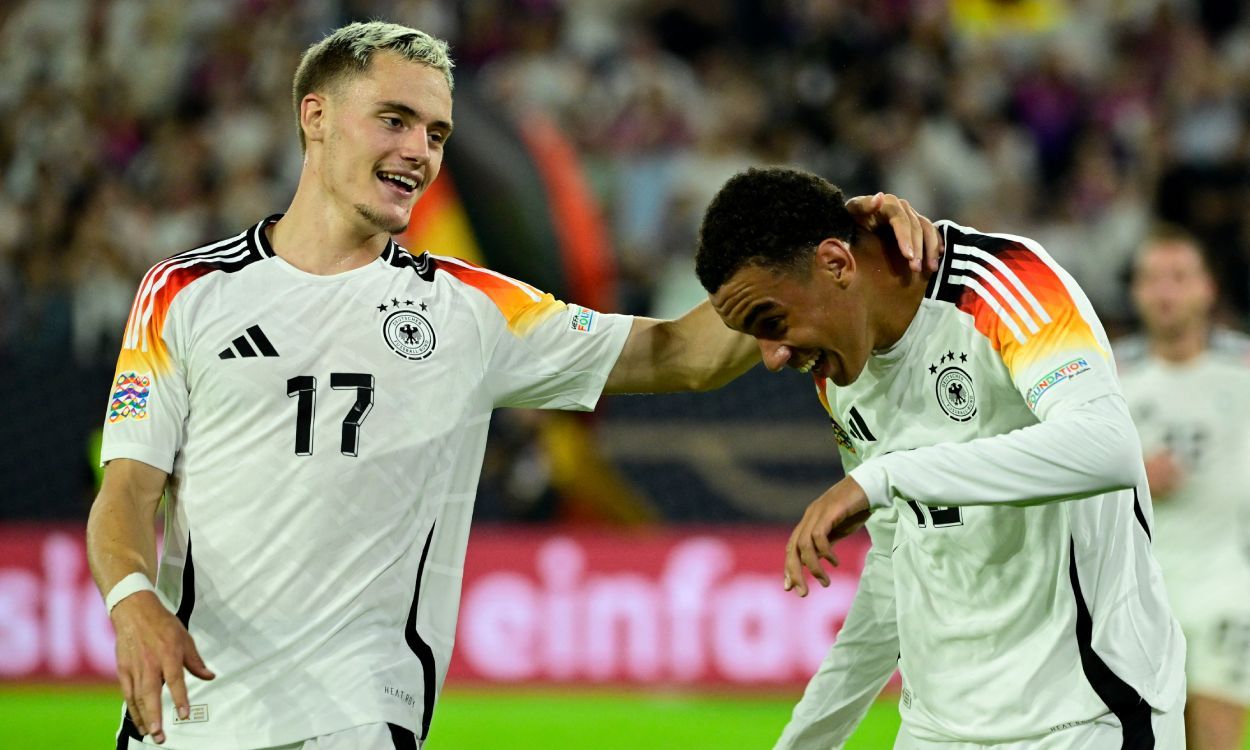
(324, 437)
(1200, 412)
(1025, 605)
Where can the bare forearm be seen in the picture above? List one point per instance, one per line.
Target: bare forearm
(695, 352)
(121, 536)
(153, 646)
(709, 352)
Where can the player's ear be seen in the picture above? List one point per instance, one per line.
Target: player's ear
(312, 117)
(834, 257)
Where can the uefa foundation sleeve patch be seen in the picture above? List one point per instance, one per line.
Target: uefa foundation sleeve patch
(582, 319)
(1063, 373)
(130, 396)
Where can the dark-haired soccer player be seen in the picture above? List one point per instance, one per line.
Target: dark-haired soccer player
(978, 414)
(1187, 382)
(313, 402)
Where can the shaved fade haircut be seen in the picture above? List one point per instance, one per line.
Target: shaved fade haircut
(774, 218)
(348, 51)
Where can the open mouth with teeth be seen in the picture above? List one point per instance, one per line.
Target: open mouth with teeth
(402, 183)
(817, 362)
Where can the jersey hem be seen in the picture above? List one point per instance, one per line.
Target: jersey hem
(589, 398)
(154, 457)
(258, 740)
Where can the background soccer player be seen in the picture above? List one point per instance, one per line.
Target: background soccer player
(1188, 386)
(313, 401)
(966, 409)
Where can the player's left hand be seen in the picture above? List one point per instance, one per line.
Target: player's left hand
(918, 240)
(834, 515)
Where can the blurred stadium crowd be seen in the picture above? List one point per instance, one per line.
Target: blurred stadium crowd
(132, 130)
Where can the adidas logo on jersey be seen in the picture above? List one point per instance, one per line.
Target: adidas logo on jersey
(859, 428)
(253, 343)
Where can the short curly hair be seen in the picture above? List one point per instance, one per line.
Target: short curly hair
(773, 217)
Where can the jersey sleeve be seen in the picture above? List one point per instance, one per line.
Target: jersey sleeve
(543, 353)
(148, 398)
(1035, 316)
(1087, 450)
(1054, 348)
(859, 663)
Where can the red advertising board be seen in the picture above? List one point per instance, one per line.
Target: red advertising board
(52, 620)
(656, 607)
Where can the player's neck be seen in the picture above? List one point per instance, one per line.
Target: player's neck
(895, 293)
(315, 236)
(1182, 347)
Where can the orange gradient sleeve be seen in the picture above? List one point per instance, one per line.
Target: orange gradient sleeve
(522, 305)
(1040, 323)
(546, 355)
(1061, 328)
(145, 360)
(144, 345)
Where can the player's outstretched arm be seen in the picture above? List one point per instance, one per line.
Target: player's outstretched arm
(697, 352)
(152, 645)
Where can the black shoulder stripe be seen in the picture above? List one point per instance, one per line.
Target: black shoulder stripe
(939, 287)
(229, 255)
(257, 238)
(423, 265)
(392, 248)
(984, 242)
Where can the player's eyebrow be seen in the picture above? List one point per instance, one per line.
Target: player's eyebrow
(754, 313)
(408, 111)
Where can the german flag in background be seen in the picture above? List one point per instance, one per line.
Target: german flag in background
(512, 197)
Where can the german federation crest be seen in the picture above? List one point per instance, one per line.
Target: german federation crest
(409, 334)
(953, 388)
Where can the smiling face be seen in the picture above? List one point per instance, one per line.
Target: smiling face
(376, 139)
(810, 319)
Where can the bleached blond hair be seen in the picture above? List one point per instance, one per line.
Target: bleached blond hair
(348, 51)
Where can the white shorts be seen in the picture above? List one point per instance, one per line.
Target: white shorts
(1102, 733)
(364, 737)
(1217, 663)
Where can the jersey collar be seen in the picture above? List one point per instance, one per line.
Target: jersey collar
(258, 239)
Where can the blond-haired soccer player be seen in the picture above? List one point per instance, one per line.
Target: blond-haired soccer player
(1188, 386)
(978, 414)
(312, 400)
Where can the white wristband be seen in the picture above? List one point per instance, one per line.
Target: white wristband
(131, 584)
